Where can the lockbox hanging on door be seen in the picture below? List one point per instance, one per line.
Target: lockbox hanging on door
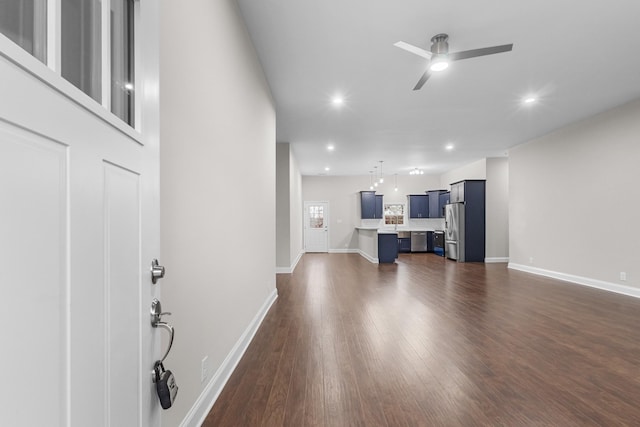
(166, 386)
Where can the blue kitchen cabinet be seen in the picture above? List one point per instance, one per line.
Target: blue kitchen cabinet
(443, 199)
(370, 205)
(378, 212)
(436, 205)
(418, 206)
(404, 245)
(387, 247)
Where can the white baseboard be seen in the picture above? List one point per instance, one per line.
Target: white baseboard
(493, 260)
(368, 257)
(585, 281)
(200, 409)
(289, 270)
(344, 251)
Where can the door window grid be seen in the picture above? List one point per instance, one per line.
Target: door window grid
(316, 216)
(92, 47)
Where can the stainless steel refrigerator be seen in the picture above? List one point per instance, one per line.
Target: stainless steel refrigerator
(454, 234)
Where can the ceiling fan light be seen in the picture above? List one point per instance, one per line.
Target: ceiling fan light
(439, 64)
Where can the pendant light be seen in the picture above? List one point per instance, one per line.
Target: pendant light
(381, 177)
(375, 182)
(370, 180)
(396, 182)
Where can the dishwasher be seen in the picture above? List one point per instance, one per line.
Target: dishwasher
(419, 241)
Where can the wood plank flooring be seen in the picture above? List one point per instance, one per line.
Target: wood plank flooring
(432, 342)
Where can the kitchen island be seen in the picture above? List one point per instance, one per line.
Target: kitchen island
(380, 245)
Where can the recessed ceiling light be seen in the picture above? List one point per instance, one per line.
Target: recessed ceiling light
(327, 168)
(337, 101)
(331, 147)
(128, 86)
(448, 147)
(530, 100)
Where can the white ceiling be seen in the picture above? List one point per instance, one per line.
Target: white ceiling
(578, 57)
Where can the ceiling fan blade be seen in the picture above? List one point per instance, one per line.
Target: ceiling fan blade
(413, 49)
(466, 54)
(422, 80)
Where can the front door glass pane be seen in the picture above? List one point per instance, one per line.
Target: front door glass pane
(122, 60)
(25, 23)
(80, 46)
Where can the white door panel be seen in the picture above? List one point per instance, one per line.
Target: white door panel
(316, 226)
(33, 277)
(78, 229)
(122, 285)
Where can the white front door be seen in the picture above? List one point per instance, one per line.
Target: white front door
(316, 226)
(79, 227)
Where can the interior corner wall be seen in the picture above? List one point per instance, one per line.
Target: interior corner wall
(475, 170)
(288, 209)
(217, 193)
(574, 199)
(497, 209)
(283, 210)
(296, 244)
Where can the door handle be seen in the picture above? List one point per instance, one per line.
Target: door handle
(157, 271)
(156, 322)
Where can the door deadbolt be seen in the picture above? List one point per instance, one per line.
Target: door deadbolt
(157, 271)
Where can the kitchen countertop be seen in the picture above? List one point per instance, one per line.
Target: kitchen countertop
(384, 230)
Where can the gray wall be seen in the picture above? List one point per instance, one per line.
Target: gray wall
(295, 211)
(475, 170)
(497, 210)
(217, 188)
(288, 209)
(283, 210)
(574, 199)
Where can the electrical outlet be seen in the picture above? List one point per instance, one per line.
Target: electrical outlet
(204, 369)
(623, 276)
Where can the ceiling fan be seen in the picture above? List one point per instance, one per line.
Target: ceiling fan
(439, 56)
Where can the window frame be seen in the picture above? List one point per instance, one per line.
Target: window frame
(49, 72)
(394, 216)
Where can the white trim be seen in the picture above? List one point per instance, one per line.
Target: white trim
(368, 257)
(585, 281)
(21, 58)
(200, 409)
(492, 260)
(289, 270)
(344, 251)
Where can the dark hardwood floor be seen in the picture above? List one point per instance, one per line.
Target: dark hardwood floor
(432, 342)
